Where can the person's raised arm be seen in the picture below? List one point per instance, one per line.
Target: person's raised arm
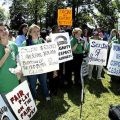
(3, 59)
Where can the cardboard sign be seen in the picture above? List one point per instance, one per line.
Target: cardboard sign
(64, 17)
(22, 102)
(5, 113)
(38, 59)
(64, 46)
(114, 60)
(98, 52)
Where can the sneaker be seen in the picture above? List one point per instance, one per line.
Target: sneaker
(47, 98)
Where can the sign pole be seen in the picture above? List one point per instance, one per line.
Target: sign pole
(82, 98)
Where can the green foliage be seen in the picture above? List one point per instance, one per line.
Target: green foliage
(2, 14)
(108, 9)
(45, 11)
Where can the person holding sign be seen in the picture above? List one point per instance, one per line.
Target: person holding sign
(115, 39)
(34, 39)
(77, 45)
(95, 37)
(8, 64)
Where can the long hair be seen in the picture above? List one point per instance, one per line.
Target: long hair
(20, 32)
(29, 37)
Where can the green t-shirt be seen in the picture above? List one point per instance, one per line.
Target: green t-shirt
(8, 81)
(79, 48)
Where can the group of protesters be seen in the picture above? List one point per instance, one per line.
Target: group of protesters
(10, 70)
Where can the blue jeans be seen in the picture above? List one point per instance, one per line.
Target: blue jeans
(42, 78)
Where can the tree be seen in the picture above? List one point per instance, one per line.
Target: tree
(2, 14)
(39, 11)
(18, 13)
(108, 16)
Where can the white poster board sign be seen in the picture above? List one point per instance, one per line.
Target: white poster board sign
(64, 46)
(5, 113)
(119, 24)
(21, 101)
(114, 60)
(98, 52)
(38, 59)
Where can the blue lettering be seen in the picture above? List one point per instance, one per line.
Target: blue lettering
(116, 48)
(115, 63)
(93, 44)
(114, 71)
(117, 56)
(101, 45)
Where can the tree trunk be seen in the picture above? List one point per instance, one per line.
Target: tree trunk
(36, 12)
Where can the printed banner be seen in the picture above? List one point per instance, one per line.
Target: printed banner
(38, 59)
(63, 42)
(114, 60)
(98, 52)
(5, 113)
(64, 17)
(22, 102)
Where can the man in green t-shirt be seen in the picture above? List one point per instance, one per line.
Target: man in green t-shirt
(8, 53)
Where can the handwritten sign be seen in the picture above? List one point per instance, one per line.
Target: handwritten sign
(64, 17)
(98, 52)
(4, 111)
(119, 24)
(63, 42)
(38, 59)
(114, 60)
(22, 102)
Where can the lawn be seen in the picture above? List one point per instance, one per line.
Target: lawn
(66, 105)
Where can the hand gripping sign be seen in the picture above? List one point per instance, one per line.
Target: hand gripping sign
(21, 101)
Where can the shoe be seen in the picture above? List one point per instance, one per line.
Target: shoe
(47, 98)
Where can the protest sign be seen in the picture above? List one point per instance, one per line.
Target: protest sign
(119, 24)
(63, 42)
(64, 17)
(114, 60)
(38, 59)
(21, 101)
(4, 111)
(84, 67)
(98, 52)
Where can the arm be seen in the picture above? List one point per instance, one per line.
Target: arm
(3, 59)
(74, 47)
(73, 44)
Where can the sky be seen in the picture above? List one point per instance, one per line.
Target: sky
(6, 6)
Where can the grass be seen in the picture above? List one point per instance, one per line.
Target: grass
(99, 95)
